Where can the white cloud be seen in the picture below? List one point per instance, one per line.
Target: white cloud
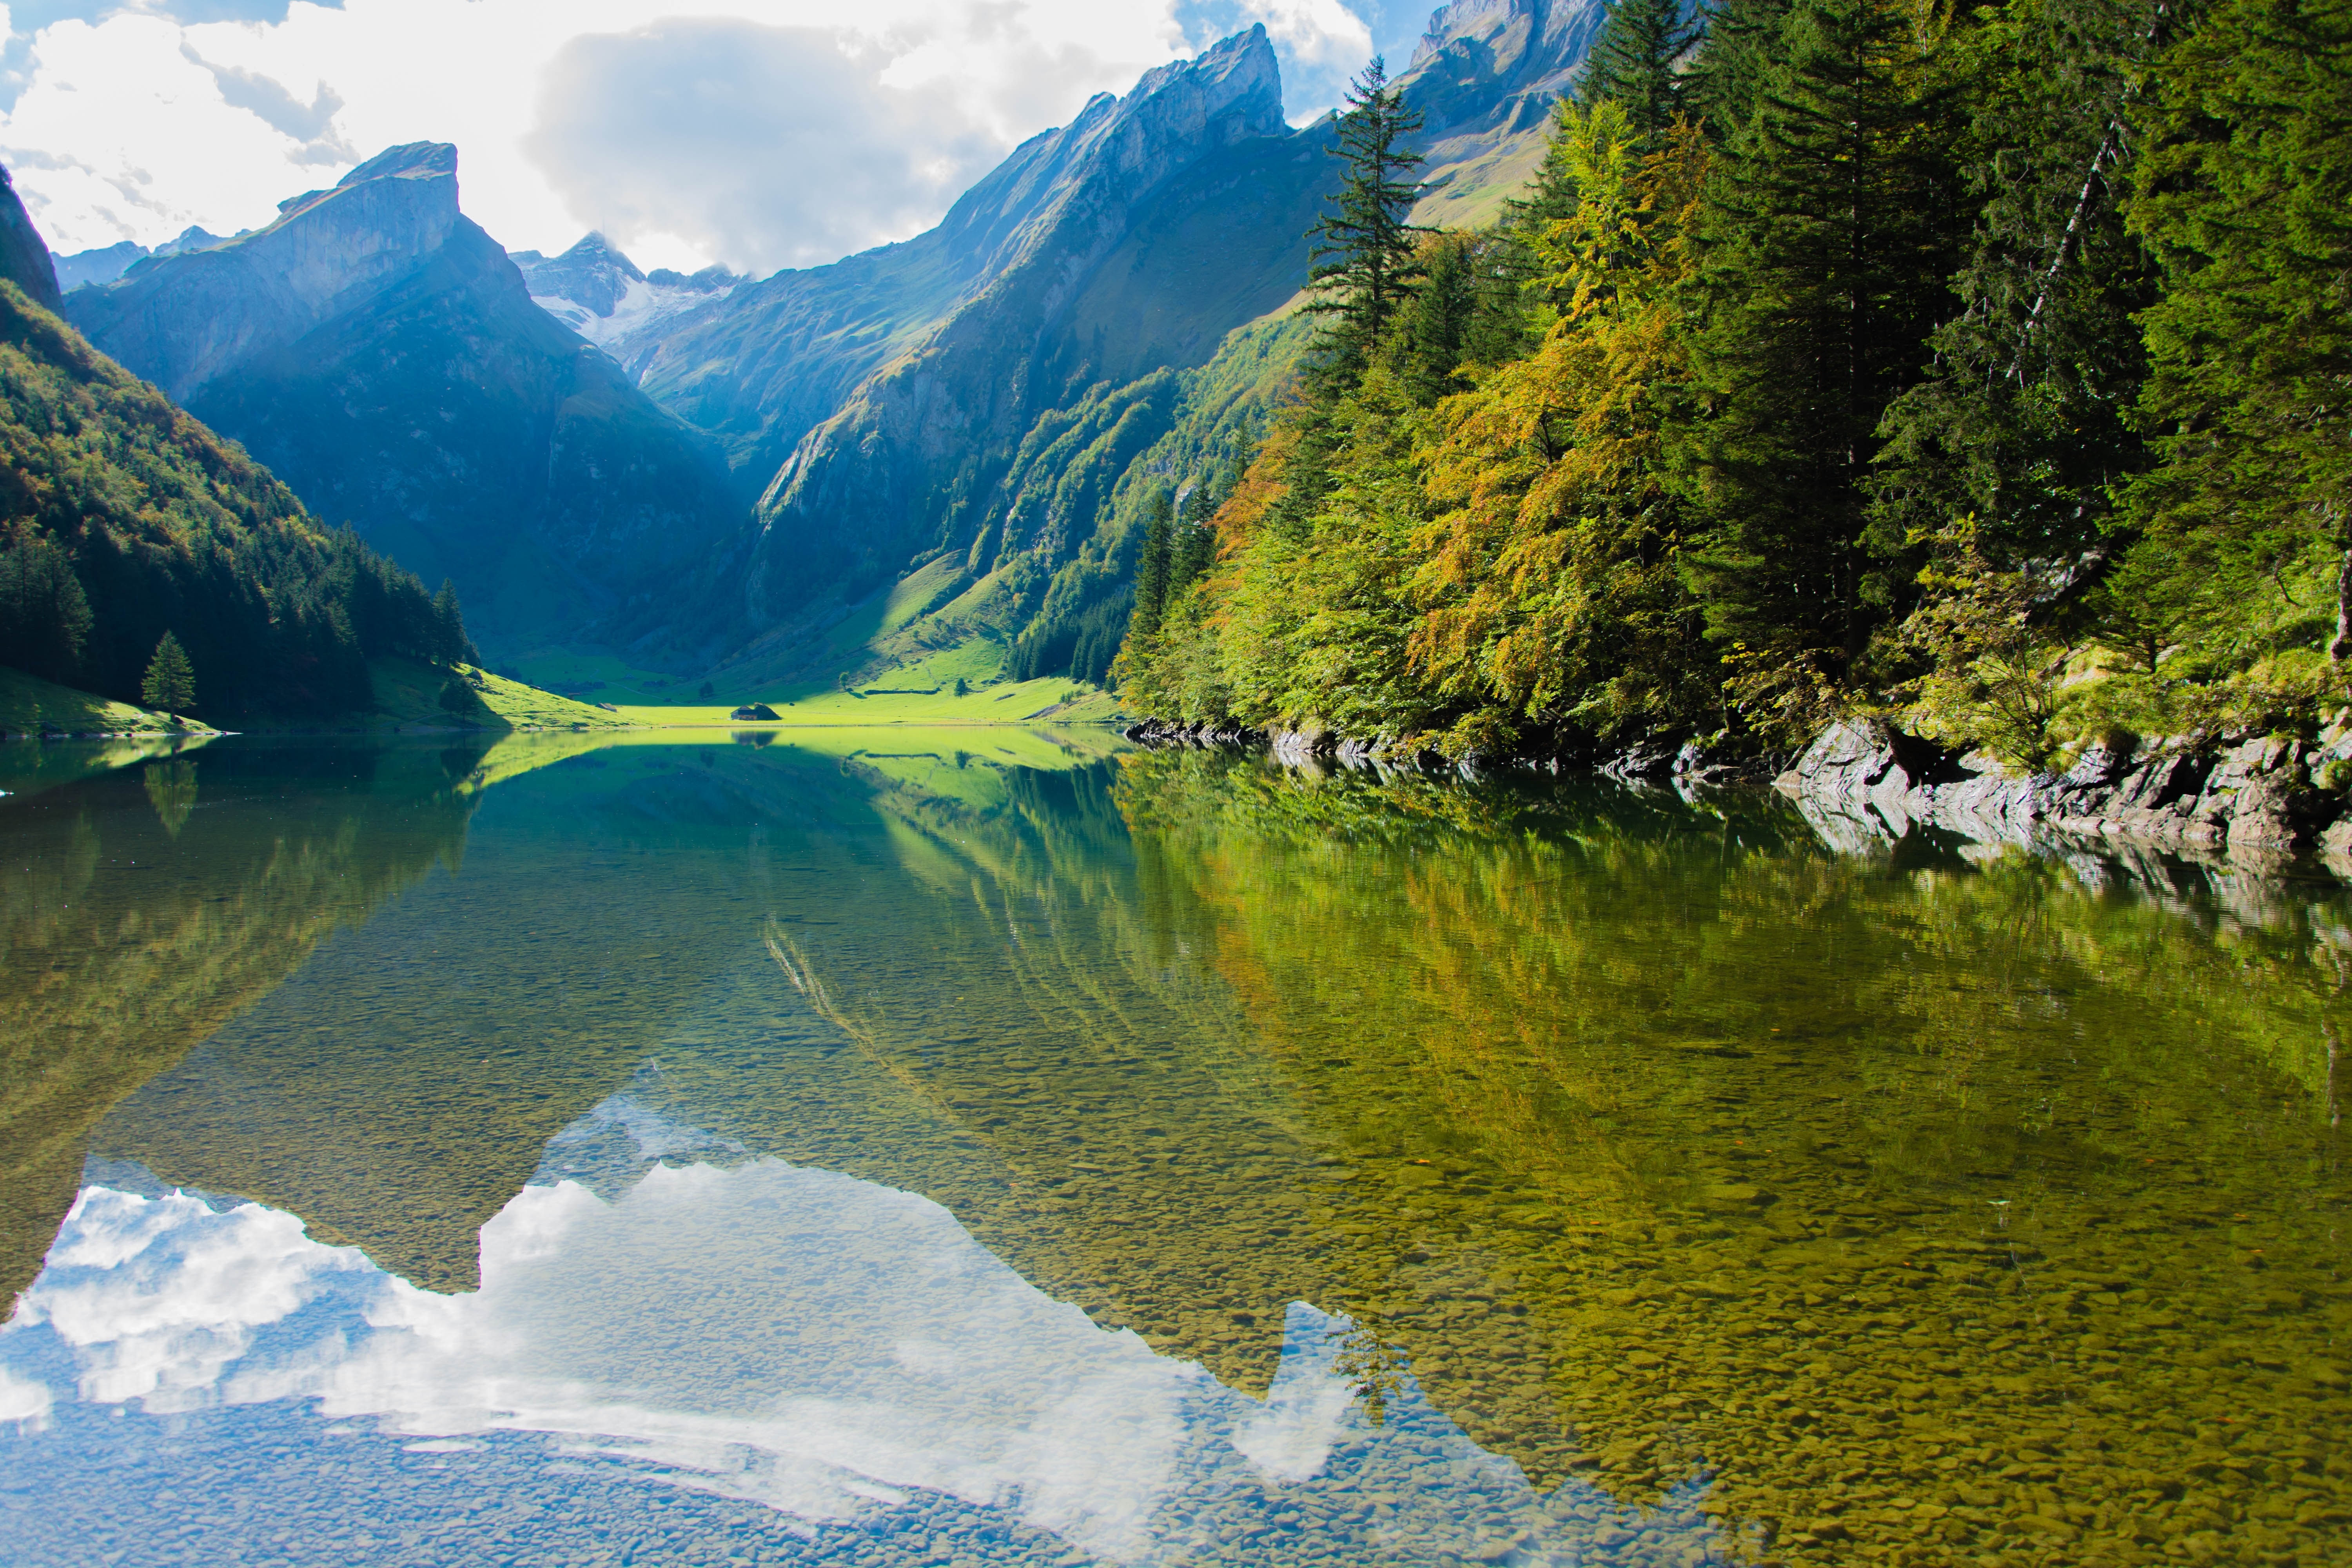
(759, 132)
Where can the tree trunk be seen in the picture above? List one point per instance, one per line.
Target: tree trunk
(2339, 646)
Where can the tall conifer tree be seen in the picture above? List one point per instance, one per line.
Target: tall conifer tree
(1364, 262)
(1196, 541)
(2023, 429)
(1151, 570)
(1828, 235)
(1633, 62)
(170, 685)
(2247, 198)
(1730, 75)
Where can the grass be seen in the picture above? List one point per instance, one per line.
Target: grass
(409, 694)
(920, 691)
(30, 706)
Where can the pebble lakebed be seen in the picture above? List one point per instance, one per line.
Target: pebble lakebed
(1913, 1213)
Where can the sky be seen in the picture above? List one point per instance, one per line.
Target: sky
(754, 133)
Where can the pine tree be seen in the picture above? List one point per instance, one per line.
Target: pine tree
(1433, 333)
(2247, 199)
(1551, 190)
(1633, 62)
(1364, 263)
(44, 616)
(451, 645)
(1828, 235)
(1151, 572)
(1195, 547)
(1743, 43)
(170, 686)
(2023, 425)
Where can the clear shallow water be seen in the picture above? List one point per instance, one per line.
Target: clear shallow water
(970, 1147)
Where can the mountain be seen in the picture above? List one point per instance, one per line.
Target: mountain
(599, 293)
(127, 520)
(101, 266)
(110, 262)
(24, 260)
(972, 418)
(380, 353)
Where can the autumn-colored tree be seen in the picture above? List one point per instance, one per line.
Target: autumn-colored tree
(1549, 589)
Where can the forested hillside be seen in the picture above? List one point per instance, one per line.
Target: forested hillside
(1976, 366)
(124, 520)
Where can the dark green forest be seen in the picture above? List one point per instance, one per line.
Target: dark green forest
(1984, 368)
(123, 522)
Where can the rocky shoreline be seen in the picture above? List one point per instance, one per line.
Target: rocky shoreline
(2257, 801)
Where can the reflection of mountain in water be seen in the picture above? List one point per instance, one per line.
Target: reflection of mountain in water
(789, 1336)
(1641, 1135)
(1638, 1136)
(140, 911)
(396, 1093)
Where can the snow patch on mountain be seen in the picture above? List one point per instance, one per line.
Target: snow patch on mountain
(599, 292)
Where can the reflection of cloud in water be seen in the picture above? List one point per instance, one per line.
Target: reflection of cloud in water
(789, 1336)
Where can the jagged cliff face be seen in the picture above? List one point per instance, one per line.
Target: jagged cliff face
(780, 357)
(1486, 76)
(24, 260)
(380, 353)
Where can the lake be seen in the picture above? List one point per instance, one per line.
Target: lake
(992, 1147)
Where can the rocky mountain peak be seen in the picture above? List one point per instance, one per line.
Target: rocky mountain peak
(594, 275)
(418, 175)
(601, 294)
(1118, 148)
(409, 161)
(1496, 66)
(326, 252)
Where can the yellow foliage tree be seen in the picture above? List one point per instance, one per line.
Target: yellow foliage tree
(1550, 591)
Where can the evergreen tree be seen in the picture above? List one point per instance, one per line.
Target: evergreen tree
(1551, 190)
(1828, 236)
(1739, 56)
(1151, 572)
(44, 616)
(457, 696)
(1633, 62)
(1364, 263)
(2247, 199)
(1195, 547)
(450, 644)
(1433, 336)
(170, 686)
(2023, 425)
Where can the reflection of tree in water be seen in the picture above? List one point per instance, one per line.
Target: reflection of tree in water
(1699, 1132)
(125, 940)
(172, 791)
